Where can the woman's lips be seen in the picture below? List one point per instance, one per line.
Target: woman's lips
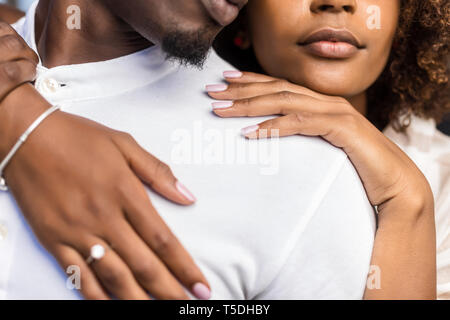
(332, 44)
(224, 11)
(332, 50)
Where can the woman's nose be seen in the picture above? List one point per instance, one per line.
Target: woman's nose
(333, 6)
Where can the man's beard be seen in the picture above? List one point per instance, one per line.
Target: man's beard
(189, 47)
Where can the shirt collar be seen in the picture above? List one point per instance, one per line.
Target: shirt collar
(97, 79)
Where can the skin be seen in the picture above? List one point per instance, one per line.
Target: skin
(327, 98)
(121, 27)
(277, 39)
(9, 14)
(398, 224)
(69, 218)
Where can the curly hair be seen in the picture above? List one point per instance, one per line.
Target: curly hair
(415, 80)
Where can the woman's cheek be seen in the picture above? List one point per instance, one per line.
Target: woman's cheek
(380, 28)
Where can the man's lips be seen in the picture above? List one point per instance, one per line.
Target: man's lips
(332, 44)
(224, 11)
(239, 3)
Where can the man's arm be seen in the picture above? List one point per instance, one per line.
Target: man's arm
(10, 14)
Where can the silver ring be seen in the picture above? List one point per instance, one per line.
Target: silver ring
(3, 186)
(97, 253)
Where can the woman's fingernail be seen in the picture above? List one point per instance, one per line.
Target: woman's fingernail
(222, 104)
(201, 291)
(185, 192)
(248, 130)
(216, 87)
(232, 74)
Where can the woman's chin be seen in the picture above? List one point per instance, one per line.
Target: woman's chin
(332, 88)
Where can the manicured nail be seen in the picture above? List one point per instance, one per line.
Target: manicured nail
(248, 130)
(201, 291)
(216, 87)
(232, 74)
(222, 104)
(185, 192)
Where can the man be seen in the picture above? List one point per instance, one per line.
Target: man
(275, 219)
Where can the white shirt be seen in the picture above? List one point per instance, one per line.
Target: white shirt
(281, 219)
(430, 150)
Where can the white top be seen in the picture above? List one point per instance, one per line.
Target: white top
(284, 219)
(430, 150)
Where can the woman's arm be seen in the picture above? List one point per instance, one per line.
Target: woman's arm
(405, 250)
(70, 209)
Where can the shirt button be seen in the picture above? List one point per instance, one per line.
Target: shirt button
(47, 85)
(3, 231)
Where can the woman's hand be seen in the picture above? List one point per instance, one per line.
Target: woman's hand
(78, 183)
(9, 13)
(17, 61)
(405, 243)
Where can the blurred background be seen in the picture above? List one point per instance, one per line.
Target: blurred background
(23, 4)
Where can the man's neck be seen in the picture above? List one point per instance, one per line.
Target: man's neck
(101, 36)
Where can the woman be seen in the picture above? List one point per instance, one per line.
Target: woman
(346, 78)
(423, 287)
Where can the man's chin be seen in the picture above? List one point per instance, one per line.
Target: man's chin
(189, 47)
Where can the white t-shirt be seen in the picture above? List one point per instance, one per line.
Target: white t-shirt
(280, 219)
(430, 150)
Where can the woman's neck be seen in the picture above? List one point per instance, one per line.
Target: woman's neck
(101, 36)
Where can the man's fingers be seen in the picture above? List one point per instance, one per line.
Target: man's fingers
(75, 266)
(152, 229)
(153, 172)
(280, 103)
(15, 73)
(147, 268)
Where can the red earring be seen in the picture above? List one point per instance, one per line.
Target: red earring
(238, 41)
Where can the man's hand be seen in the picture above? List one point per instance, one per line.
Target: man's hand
(17, 61)
(78, 184)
